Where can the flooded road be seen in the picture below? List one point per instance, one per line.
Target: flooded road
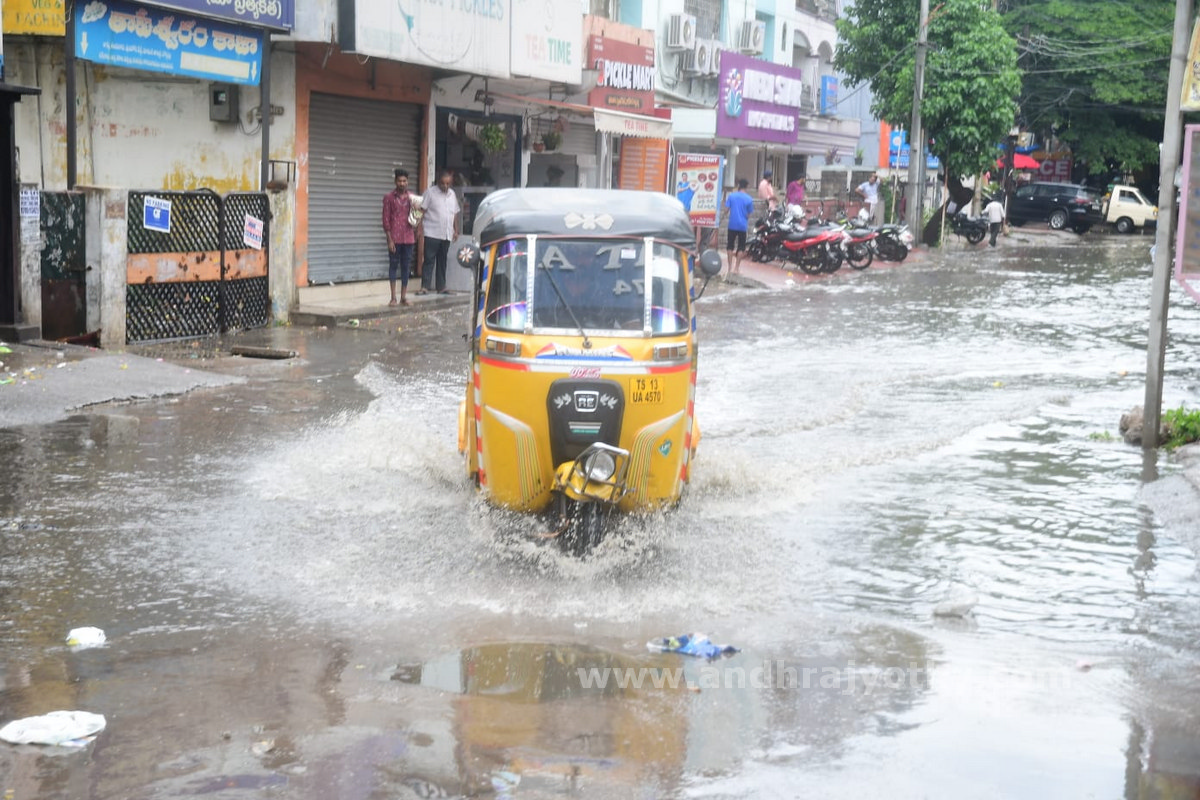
(304, 599)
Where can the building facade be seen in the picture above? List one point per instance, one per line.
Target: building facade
(595, 93)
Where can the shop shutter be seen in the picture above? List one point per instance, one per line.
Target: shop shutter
(354, 146)
(580, 137)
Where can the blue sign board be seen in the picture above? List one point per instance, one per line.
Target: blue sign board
(145, 37)
(899, 159)
(279, 15)
(829, 91)
(156, 215)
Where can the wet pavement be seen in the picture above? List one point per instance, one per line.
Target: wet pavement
(912, 512)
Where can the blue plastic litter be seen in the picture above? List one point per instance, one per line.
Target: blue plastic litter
(691, 644)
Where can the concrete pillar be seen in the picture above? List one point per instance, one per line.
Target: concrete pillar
(107, 254)
(281, 280)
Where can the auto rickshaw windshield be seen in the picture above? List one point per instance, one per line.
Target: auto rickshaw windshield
(595, 284)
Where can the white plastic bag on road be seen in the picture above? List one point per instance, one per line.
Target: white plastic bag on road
(66, 728)
(83, 638)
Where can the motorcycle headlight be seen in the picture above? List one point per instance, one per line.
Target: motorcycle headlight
(600, 466)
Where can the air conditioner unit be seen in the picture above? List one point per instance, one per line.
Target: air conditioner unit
(753, 37)
(699, 61)
(681, 32)
(716, 57)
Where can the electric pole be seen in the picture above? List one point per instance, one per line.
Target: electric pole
(1160, 285)
(916, 152)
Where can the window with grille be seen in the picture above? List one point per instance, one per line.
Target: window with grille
(708, 17)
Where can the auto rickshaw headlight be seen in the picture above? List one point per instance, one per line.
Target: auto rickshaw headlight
(600, 466)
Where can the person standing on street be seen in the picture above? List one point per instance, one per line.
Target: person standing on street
(868, 190)
(795, 192)
(994, 211)
(440, 228)
(401, 238)
(766, 191)
(741, 206)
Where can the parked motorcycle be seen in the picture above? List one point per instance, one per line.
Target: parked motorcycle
(857, 244)
(815, 249)
(974, 230)
(764, 239)
(892, 242)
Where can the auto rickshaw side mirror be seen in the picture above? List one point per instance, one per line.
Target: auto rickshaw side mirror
(468, 256)
(710, 263)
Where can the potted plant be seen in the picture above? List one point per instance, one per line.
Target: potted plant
(492, 138)
(858, 156)
(552, 139)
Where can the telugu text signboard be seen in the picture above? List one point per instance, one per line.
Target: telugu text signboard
(144, 37)
(273, 14)
(758, 100)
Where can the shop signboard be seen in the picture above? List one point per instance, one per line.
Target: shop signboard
(829, 95)
(546, 41)
(279, 15)
(624, 75)
(146, 37)
(464, 37)
(758, 100)
(36, 17)
(46, 17)
(698, 178)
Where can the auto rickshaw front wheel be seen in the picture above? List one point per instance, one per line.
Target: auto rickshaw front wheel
(582, 525)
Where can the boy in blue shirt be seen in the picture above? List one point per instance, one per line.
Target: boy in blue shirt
(740, 205)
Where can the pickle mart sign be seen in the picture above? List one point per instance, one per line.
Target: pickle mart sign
(47, 17)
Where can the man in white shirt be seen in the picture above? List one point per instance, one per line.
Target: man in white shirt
(994, 211)
(868, 190)
(440, 228)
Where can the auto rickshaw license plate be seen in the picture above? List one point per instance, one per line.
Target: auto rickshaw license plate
(646, 391)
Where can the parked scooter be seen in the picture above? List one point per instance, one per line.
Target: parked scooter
(974, 230)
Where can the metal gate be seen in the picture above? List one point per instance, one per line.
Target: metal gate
(197, 264)
(64, 265)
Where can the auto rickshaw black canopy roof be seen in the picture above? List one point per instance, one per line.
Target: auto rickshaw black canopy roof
(582, 213)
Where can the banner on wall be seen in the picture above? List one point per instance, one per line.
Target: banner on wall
(698, 186)
(144, 37)
(470, 37)
(758, 100)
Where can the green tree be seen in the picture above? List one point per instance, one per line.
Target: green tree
(1095, 76)
(971, 76)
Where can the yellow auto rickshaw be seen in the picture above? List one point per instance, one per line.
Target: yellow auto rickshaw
(583, 355)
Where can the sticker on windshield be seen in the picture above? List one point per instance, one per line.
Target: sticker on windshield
(628, 253)
(665, 268)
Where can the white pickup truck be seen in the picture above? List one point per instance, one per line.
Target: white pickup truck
(1127, 208)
